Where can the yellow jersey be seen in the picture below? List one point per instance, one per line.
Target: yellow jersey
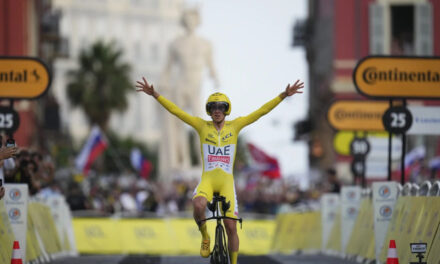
(218, 148)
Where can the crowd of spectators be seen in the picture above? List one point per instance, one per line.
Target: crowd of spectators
(130, 195)
(23, 166)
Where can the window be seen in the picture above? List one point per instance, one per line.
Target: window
(402, 30)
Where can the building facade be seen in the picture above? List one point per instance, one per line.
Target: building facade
(142, 29)
(337, 34)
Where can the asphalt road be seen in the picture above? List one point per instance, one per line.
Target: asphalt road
(144, 259)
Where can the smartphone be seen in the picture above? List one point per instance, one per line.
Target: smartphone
(1, 182)
(10, 142)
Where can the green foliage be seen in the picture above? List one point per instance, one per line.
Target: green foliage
(116, 157)
(101, 83)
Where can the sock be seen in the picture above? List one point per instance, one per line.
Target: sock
(204, 231)
(233, 256)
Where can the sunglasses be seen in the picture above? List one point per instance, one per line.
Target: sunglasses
(222, 106)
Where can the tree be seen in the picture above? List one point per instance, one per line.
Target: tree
(100, 84)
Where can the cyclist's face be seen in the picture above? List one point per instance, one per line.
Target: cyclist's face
(217, 115)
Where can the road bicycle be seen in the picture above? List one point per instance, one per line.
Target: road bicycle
(218, 207)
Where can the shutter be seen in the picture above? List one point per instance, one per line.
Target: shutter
(423, 29)
(377, 36)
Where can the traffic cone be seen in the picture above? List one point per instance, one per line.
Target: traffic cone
(16, 255)
(392, 253)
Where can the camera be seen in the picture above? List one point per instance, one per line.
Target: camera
(10, 142)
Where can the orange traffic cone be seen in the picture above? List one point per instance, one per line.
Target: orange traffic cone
(16, 255)
(392, 253)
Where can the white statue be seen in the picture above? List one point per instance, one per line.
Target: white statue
(189, 55)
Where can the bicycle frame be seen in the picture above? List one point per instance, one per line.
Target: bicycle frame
(220, 254)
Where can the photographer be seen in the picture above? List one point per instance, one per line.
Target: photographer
(5, 153)
(23, 171)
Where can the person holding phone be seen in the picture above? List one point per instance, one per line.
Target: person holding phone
(5, 153)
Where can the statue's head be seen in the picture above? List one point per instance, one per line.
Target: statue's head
(190, 19)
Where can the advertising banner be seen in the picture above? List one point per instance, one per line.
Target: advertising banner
(426, 120)
(360, 115)
(16, 202)
(384, 199)
(23, 77)
(398, 77)
(329, 207)
(350, 203)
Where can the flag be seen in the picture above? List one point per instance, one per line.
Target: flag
(434, 163)
(140, 163)
(95, 145)
(267, 164)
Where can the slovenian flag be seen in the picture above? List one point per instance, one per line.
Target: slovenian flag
(140, 163)
(95, 145)
(267, 165)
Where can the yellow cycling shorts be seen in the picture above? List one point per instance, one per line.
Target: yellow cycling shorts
(223, 184)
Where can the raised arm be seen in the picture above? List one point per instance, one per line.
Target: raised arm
(267, 107)
(144, 86)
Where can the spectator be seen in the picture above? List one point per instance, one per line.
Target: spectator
(334, 186)
(76, 199)
(5, 153)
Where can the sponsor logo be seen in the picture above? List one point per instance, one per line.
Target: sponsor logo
(384, 192)
(371, 75)
(14, 214)
(15, 194)
(211, 135)
(351, 211)
(227, 136)
(351, 195)
(385, 211)
(210, 141)
(94, 231)
(221, 151)
(364, 114)
(224, 159)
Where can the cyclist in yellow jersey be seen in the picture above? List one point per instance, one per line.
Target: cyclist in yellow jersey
(218, 141)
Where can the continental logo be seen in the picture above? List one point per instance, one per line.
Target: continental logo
(372, 75)
(341, 114)
(357, 115)
(398, 77)
(23, 77)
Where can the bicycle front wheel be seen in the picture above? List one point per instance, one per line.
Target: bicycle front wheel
(220, 253)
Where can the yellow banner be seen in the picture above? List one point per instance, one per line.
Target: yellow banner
(97, 236)
(401, 77)
(6, 235)
(23, 77)
(357, 115)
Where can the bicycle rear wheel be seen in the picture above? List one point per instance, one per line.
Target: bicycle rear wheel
(220, 252)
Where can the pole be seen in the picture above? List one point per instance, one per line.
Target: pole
(402, 161)
(390, 142)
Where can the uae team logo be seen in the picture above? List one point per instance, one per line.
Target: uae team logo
(384, 192)
(14, 214)
(15, 194)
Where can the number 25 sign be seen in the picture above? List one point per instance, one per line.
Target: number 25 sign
(9, 119)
